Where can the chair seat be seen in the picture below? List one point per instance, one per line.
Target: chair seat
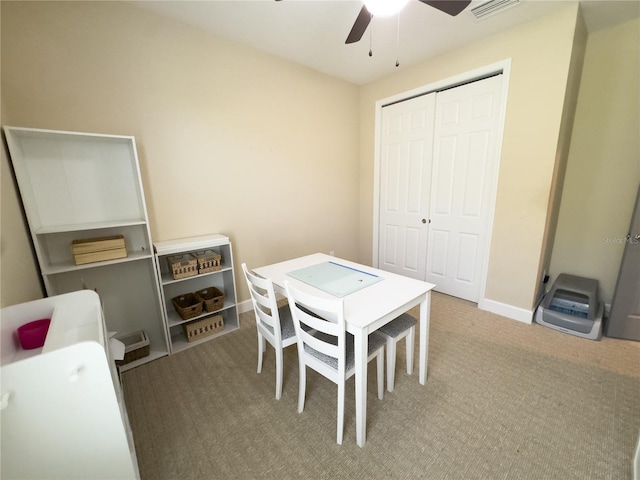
(397, 326)
(374, 343)
(394, 331)
(287, 329)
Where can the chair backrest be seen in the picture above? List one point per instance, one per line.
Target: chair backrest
(265, 304)
(320, 328)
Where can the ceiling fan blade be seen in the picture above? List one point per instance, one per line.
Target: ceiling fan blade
(359, 27)
(450, 7)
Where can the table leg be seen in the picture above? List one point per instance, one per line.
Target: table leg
(361, 349)
(425, 307)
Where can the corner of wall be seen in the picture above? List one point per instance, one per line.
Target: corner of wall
(574, 77)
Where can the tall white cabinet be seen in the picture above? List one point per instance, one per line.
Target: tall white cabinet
(77, 186)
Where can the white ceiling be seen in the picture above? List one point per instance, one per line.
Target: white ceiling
(313, 32)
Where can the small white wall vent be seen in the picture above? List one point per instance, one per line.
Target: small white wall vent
(492, 7)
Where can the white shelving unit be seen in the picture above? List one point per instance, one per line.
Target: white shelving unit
(62, 411)
(222, 279)
(77, 186)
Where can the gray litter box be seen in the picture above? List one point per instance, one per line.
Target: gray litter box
(572, 306)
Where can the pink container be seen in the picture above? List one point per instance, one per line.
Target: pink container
(33, 334)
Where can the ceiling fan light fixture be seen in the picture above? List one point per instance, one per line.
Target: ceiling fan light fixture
(384, 8)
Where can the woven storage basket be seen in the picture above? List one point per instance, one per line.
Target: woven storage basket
(136, 346)
(182, 266)
(187, 305)
(212, 298)
(208, 261)
(203, 328)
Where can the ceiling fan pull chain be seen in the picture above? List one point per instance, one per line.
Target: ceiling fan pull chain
(370, 41)
(398, 43)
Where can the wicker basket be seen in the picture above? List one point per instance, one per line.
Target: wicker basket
(203, 328)
(208, 261)
(187, 305)
(212, 298)
(182, 266)
(136, 346)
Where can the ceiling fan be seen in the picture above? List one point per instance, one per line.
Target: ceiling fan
(450, 7)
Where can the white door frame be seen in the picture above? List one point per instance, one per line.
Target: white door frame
(504, 67)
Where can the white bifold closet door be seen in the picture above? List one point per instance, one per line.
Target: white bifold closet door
(405, 173)
(439, 155)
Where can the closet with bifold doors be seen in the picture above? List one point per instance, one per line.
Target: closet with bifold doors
(439, 157)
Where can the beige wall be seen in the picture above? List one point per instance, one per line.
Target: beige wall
(230, 140)
(603, 171)
(540, 52)
(220, 126)
(19, 276)
(562, 154)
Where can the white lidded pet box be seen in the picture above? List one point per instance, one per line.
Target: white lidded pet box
(572, 306)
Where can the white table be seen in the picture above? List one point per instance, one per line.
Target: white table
(365, 311)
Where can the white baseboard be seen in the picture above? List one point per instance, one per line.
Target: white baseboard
(244, 306)
(509, 311)
(515, 313)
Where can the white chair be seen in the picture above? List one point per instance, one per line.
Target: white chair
(274, 324)
(325, 346)
(393, 332)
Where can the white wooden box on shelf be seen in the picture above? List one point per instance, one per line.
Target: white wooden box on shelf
(76, 186)
(62, 411)
(223, 279)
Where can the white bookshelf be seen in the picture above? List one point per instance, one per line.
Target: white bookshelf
(77, 186)
(222, 279)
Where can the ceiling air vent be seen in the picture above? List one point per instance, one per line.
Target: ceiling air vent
(492, 7)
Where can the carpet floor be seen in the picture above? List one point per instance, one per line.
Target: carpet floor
(503, 400)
